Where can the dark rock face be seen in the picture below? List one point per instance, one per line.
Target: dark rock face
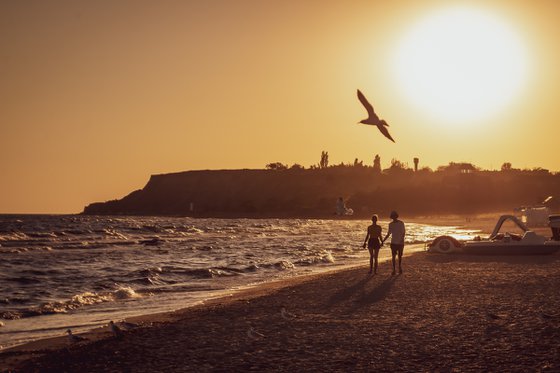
(313, 192)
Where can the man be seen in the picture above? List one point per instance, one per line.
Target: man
(397, 232)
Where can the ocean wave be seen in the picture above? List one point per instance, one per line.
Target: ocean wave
(324, 257)
(154, 241)
(192, 229)
(22, 280)
(125, 292)
(77, 301)
(284, 264)
(14, 236)
(42, 234)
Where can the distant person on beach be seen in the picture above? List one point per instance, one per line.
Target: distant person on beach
(341, 208)
(396, 231)
(373, 242)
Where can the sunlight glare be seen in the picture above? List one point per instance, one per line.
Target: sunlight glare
(461, 65)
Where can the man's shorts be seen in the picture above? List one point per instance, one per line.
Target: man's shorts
(397, 249)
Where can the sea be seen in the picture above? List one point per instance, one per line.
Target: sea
(73, 271)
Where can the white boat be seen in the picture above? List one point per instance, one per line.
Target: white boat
(528, 243)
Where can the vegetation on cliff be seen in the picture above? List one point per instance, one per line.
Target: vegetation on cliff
(282, 191)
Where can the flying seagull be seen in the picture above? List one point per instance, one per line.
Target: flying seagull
(372, 118)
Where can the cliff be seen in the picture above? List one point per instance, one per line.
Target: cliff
(313, 192)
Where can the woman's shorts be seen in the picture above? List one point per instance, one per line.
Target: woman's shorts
(373, 243)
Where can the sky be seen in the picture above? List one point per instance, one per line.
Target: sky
(96, 96)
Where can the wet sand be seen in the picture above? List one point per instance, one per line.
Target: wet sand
(444, 313)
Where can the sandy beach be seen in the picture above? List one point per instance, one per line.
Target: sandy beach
(444, 313)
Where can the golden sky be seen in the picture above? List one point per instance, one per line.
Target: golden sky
(95, 96)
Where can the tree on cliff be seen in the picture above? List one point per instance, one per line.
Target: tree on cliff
(397, 166)
(377, 164)
(324, 160)
(276, 166)
(460, 167)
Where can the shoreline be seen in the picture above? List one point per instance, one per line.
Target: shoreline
(14, 356)
(226, 296)
(470, 221)
(444, 313)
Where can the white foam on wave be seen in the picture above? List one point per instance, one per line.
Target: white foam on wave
(284, 264)
(328, 257)
(125, 292)
(14, 236)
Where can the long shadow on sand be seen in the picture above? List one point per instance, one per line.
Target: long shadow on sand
(361, 295)
(510, 259)
(348, 292)
(378, 293)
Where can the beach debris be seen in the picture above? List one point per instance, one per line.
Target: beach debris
(254, 335)
(117, 332)
(127, 325)
(74, 338)
(287, 315)
(372, 118)
(493, 316)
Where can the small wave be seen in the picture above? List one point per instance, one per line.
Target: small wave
(219, 272)
(23, 280)
(284, 264)
(149, 271)
(324, 257)
(77, 301)
(152, 241)
(193, 230)
(152, 228)
(10, 315)
(14, 236)
(42, 235)
(113, 233)
(201, 273)
(77, 232)
(125, 292)
(252, 268)
(17, 250)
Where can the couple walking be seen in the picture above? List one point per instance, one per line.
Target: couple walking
(374, 242)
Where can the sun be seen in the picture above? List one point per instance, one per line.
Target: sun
(461, 65)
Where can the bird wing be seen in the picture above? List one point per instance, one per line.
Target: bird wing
(385, 132)
(367, 105)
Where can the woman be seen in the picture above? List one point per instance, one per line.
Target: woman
(373, 242)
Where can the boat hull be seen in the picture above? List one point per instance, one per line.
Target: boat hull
(497, 249)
